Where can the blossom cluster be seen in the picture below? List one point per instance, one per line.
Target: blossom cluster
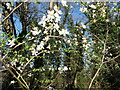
(52, 19)
(86, 43)
(50, 23)
(35, 31)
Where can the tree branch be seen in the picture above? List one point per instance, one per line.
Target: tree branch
(104, 50)
(111, 59)
(11, 13)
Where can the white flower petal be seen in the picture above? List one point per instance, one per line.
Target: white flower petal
(64, 3)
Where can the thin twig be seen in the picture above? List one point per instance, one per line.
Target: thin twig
(37, 38)
(23, 43)
(3, 57)
(111, 59)
(22, 85)
(104, 50)
(89, 32)
(59, 37)
(53, 80)
(32, 59)
(20, 76)
(97, 37)
(51, 4)
(3, 70)
(11, 13)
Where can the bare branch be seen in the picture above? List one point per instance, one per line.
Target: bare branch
(51, 4)
(3, 70)
(32, 59)
(104, 50)
(22, 85)
(11, 13)
(53, 80)
(111, 59)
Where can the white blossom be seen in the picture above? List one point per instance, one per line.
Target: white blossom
(65, 68)
(83, 25)
(93, 15)
(71, 6)
(29, 74)
(93, 10)
(11, 42)
(48, 46)
(81, 31)
(94, 20)
(84, 41)
(64, 3)
(40, 46)
(12, 82)
(110, 54)
(50, 15)
(86, 44)
(34, 52)
(50, 88)
(45, 32)
(59, 41)
(57, 17)
(35, 33)
(59, 68)
(86, 47)
(20, 55)
(83, 9)
(46, 38)
(8, 65)
(35, 28)
(8, 6)
(53, 16)
(75, 39)
(16, 60)
(43, 69)
(103, 10)
(76, 42)
(107, 20)
(19, 68)
(113, 23)
(43, 21)
(13, 63)
(77, 3)
(55, 8)
(56, 26)
(59, 12)
(92, 6)
(51, 69)
(63, 32)
(68, 41)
